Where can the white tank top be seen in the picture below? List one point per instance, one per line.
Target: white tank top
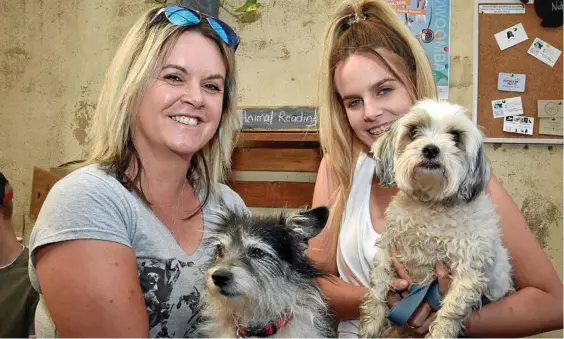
(356, 245)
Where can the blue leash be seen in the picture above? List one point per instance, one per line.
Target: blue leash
(402, 311)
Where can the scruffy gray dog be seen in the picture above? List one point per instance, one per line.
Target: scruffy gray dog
(260, 283)
(434, 155)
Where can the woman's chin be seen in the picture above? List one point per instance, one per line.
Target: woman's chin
(184, 150)
(369, 139)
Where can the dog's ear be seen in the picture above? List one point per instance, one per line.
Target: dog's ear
(309, 223)
(477, 177)
(224, 214)
(225, 217)
(383, 151)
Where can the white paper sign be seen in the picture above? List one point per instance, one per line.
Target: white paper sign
(550, 115)
(550, 109)
(511, 36)
(511, 82)
(544, 52)
(507, 107)
(519, 125)
(551, 126)
(502, 9)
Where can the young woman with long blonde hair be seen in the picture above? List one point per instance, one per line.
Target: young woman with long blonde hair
(373, 72)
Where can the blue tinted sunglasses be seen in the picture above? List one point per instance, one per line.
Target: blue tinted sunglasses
(182, 16)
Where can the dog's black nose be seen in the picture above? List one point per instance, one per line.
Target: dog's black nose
(222, 278)
(431, 151)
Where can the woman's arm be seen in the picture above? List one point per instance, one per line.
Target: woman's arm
(344, 298)
(537, 306)
(91, 289)
(322, 248)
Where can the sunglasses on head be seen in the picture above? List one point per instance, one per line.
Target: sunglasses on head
(182, 16)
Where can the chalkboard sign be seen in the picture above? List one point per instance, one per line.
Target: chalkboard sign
(284, 118)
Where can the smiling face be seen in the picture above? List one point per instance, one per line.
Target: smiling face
(181, 108)
(372, 96)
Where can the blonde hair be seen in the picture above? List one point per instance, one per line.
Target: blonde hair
(131, 69)
(363, 26)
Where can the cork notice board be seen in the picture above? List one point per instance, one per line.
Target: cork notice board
(542, 81)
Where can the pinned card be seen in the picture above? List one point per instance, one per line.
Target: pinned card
(550, 109)
(550, 117)
(507, 107)
(511, 82)
(502, 9)
(543, 51)
(519, 125)
(511, 36)
(551, 126)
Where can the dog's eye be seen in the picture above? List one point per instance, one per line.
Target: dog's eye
(413, 132)
(219, 251)
(256, 253)
(455, 136)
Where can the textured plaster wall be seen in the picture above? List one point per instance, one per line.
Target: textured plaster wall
(53, 55)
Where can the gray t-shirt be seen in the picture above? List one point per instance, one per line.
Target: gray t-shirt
(90, 204)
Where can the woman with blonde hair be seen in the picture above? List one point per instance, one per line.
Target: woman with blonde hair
(373, 72)
(117, 249)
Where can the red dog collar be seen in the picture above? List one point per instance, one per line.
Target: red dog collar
(266, 331)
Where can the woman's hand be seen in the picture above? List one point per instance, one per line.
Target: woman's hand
(418, 324)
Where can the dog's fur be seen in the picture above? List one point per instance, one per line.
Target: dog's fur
(439, 215)
(270, 276)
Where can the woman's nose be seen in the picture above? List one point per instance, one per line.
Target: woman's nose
(193, 95)
(370, 114)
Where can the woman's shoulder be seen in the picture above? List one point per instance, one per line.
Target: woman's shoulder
(88, 203)
(88, 187)
(91, 178)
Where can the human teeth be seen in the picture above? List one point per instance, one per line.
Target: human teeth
(380, 130)
(185, 120)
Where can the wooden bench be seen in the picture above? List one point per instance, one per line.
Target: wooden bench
(264, 166)
(295, 154)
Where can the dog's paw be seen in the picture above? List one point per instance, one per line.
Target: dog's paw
(372, 325)
(365, 334)
(373, 320)
(371, 329)
(442, 330)
(438, 335)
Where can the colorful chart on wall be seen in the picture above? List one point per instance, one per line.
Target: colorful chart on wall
(429, 20)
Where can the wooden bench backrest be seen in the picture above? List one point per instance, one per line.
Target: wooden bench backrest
(272, 152)
(42, 183)
(300, 155)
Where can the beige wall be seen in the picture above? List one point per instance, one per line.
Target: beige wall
(54, 54)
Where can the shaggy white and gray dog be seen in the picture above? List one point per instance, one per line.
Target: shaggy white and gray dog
(434, 155)
(260, 283)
